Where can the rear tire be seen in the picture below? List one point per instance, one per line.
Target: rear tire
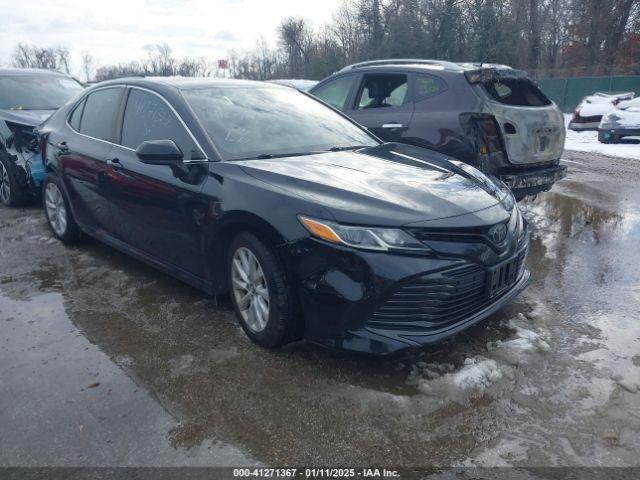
(12, 193)
(260, 292)
(58, 211)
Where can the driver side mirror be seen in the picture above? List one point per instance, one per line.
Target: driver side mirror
(160, 152)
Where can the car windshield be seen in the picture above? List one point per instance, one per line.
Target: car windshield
(36, 92)
(248, 122)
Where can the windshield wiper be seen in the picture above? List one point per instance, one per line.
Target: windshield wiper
(352, 147)
(266, 156)
(26, 109)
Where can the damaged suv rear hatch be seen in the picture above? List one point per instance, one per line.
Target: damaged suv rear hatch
(531, 126)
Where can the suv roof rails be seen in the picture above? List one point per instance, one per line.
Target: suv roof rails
(404, 61)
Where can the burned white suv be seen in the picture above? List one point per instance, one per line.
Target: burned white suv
(492, 117)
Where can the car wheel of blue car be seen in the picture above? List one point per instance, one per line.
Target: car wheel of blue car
(11, 193)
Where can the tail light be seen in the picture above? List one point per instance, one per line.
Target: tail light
(490, 136)
(576, 113)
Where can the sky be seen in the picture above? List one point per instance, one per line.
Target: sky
(116, 31)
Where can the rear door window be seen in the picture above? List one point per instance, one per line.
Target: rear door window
(336, 92)
(427, 86)
(516, 92)
(99, 114)
(382, 91)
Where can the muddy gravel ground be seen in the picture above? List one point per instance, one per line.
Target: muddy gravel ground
(106, 362)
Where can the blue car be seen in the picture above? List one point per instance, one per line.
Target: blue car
(27, 98)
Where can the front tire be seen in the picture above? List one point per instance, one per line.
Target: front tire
(606, 137)
(262, 298)
(58, 211)
(11, 192)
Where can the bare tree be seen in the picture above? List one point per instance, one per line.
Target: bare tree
(159, 61)
(29, 56)
(295, 37)
(87, 65)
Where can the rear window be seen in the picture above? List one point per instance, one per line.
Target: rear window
(515, 92)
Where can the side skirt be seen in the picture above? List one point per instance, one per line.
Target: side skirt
(150, 260)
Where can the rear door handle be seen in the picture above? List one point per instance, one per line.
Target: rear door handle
(392, 125)
(115, 164)
(62, 147)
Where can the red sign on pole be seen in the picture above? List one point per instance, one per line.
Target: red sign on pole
(223, 64)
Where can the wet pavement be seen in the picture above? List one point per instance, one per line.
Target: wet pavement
(104, 361)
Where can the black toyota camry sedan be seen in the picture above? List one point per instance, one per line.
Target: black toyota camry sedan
(315, 228)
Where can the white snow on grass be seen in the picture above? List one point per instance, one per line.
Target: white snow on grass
(588, 142)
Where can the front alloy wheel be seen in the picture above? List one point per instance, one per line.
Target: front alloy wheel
(12, 192)
(250, 289)
(262, 297)
(5, 185)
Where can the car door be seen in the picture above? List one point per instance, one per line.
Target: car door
(82, 150)
(383, 105)
(161, 213)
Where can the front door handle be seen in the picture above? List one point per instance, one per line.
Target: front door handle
(115, 164)
(392, 125)
(62, 147)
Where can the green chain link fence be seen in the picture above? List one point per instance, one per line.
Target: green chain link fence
(567, 92)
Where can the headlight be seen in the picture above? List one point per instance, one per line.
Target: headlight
(367, 238)
(518, 221)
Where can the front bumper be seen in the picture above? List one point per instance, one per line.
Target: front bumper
(534, 181)
(345, 291)
(620, 131)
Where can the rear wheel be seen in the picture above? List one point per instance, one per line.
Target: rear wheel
(11, 192)
(58, 211)
(261, 295)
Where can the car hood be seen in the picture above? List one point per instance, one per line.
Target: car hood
(33, 118)
(391, 184)
(626, 117)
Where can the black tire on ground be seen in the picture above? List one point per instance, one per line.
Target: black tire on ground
(605, 137)
(71, 232)
(14, 195)
(283, 324)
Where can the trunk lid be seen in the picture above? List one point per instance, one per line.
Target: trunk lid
(532, 126)
(531, 134)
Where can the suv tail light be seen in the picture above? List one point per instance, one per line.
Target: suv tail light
(490, 136)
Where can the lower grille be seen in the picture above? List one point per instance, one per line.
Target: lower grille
(434, 301)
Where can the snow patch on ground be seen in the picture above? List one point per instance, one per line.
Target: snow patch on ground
(588, 142)
(441, 379)
(477, 373)
(517, 349)
(525, 340)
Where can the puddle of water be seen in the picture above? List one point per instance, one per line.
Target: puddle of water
(65, 403)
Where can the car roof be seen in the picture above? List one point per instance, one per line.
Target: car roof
(182, 83)
(30, 71)
(421, 64)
